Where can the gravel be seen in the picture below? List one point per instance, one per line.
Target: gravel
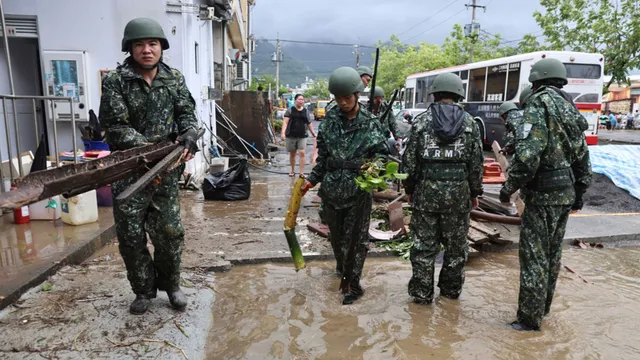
(605, 196)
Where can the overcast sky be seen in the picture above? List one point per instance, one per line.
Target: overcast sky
(366, 21)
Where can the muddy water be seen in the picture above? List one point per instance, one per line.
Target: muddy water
(270, 312)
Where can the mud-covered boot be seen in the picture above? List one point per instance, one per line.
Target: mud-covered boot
(523, 327)
(354, 294)
(140, 305)
(177, 299)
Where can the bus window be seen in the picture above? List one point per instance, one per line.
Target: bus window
(464, 74)
(587, 98)
(513, 82)
(476, 84)
(583, 71)
(408, 98)
(496, 78)
(464, 89)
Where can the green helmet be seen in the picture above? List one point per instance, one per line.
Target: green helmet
(344, 81)
(524, 96)
(364, 70)
(378, 91)
(548, 69)
(447, 82)
(507, 106)
(143, 28)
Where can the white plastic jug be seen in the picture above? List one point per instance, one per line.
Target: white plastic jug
(80, 209)
(47, 209)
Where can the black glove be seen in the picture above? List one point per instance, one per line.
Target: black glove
(190, 140)
(505, 197)
(577, 205)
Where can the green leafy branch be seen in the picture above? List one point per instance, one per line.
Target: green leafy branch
(374, 175)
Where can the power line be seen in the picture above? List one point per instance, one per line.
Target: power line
(541, 34)
(445, 20)
(319, 43)
(423, 21)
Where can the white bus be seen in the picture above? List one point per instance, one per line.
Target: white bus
(488, 83)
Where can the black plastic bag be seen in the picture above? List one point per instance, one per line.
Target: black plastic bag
(231, 185)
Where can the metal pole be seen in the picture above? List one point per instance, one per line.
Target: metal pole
(13, 92)
(55, 132)
(35, 122)
(1, 172)
(278, 69)
(73, 130)
(224, 55)
(6, 127)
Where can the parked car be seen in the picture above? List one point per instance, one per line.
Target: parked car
(318, 112)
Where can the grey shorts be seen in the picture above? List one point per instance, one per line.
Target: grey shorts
(294, 144)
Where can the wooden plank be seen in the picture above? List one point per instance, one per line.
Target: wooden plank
(320, 229)
(491, 233)
(476, 236)
(502, 160)
(396, 216)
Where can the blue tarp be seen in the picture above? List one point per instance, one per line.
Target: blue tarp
(620, 163)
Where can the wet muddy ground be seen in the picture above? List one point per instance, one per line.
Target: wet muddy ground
(270, 312)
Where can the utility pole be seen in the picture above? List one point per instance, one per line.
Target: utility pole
(277, 58)
(357, 52)
(471, 30)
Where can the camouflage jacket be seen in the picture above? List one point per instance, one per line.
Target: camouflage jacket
(134, 113)
(388, 123)
(343, 145)
(509, 139)
(550, 138)
(443, 176)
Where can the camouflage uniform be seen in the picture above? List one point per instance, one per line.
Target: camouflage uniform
(132, 114)
(343, 146)
(509, 139)
(444, 175)
(388, 123)
(551, 168)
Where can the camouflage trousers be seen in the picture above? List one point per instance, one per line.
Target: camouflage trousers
(428, 232)
(154, 210)
(344, 225)
(540, 253)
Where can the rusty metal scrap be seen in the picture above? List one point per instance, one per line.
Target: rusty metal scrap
(70, 180)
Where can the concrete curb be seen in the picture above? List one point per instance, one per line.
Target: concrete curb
(76, 256)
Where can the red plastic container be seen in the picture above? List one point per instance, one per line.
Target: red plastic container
(21, 215)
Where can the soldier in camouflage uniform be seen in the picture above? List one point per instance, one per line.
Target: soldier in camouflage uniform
(511, 115)
(141, 101)
(348, 136)
(379, 108)
(551, 168)
(365, 76)
(524, 97)
(443, 160)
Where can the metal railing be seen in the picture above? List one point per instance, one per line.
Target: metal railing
(49, 101)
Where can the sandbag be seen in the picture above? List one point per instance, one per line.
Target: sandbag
(230, 185)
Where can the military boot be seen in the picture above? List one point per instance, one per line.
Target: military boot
(177, 299)
(140, 305)
(523, 327)
(354, 294)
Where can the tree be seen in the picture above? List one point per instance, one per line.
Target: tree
(264, 81)
(611, 28)
(320, 89)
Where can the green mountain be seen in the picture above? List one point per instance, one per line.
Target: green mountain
(305, 60)
(292, 71)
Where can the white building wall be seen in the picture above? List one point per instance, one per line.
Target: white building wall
(97, 28)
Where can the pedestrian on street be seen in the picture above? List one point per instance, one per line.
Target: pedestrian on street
(294, 133)
(141, 101)
(511, 115)
(443, 160)
(551, 168)
(348, 137)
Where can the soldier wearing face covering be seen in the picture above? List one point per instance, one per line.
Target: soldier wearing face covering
(443, 159)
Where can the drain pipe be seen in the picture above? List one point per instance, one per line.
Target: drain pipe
(224, 55)
(13, 92)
